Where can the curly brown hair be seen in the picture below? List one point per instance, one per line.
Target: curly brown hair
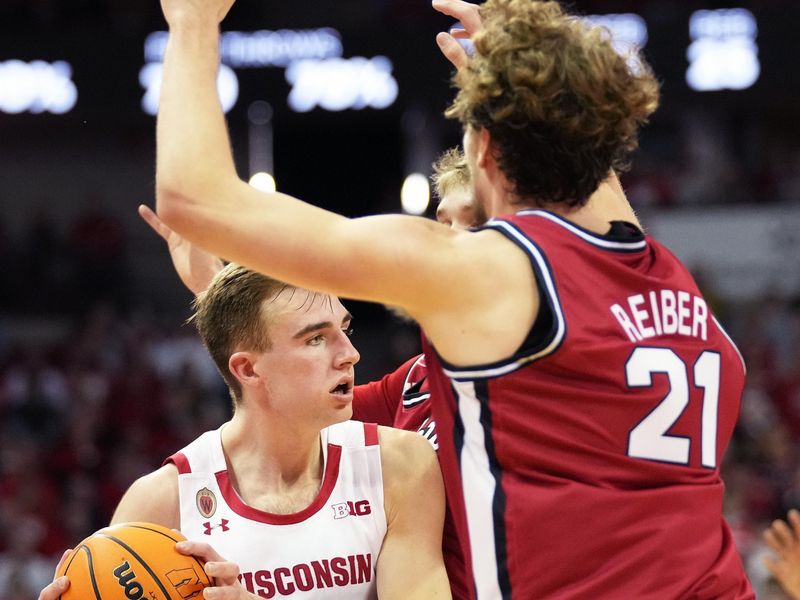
(562, 106)
(450, 171)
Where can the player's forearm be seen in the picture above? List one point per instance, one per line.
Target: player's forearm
(194, 155)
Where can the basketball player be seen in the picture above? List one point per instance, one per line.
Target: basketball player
(400, 399)
(583, 394)
(784, 539)
(304, 503)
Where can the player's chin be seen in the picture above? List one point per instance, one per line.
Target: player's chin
(342, 411)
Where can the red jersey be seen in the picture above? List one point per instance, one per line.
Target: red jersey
(588, 462)
(401, 399)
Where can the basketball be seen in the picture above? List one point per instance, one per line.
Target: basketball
(130, 561)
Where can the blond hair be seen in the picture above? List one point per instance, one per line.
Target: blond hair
(562, 106)
(450, 172)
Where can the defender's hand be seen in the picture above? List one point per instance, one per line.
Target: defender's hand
(194, 266)
(469, 16)
(784, 539)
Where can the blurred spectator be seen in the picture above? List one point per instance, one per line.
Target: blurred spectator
(98, 243)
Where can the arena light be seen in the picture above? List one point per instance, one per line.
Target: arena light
(263, 181)
(150, 80)
(723, 53)
(37, 87)
(628, 30)
(415, 195)
(336, 84)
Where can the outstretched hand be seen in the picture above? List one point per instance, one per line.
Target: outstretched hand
(784, 539)
(469, 16)
(224, 574)
(194, 266)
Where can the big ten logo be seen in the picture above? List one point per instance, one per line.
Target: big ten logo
(359, 508)
(127, 580)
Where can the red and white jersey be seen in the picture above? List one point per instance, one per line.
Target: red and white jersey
(328, 550)
(589, 461)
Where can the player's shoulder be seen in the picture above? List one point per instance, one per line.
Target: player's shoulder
(410, 469)
(159, 482)
(153, 498)
(404, 453)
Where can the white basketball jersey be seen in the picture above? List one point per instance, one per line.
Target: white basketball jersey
(327, 550)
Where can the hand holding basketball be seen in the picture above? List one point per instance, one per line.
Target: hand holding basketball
(225, 573)
(130, 561)
(59, 585)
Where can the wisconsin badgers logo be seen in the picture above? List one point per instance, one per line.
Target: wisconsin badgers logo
(206, 502)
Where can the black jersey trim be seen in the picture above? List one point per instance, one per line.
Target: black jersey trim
(615, 243)
(499, 501)
(732, 343)
(531, 349)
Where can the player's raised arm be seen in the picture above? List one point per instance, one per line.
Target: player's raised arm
(410, 565)
(200, 196)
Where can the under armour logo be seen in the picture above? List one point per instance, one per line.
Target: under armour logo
(208, 526)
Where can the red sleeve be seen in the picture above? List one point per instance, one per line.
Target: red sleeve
(377, 401)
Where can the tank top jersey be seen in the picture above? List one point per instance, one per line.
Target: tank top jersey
(587, 465)
(328, 550)
(401, 399)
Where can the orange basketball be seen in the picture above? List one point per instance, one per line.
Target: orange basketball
(133, 561)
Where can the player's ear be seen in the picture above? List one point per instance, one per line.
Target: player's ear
(242, 366)
(484, 147)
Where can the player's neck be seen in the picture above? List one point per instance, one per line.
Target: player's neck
(608, 203)
(268, 458)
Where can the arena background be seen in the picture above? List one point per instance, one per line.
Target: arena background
(99, 379)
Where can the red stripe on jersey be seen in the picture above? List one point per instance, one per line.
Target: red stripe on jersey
(370, 434)
(239, 507)
(180, 461)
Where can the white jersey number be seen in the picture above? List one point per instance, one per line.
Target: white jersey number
(649, 438)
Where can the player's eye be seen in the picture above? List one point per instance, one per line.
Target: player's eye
(316, 340)
(348, 331)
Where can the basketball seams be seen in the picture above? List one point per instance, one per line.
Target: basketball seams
(167, 595)
(88, 552)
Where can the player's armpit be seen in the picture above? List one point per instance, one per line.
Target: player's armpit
(152, 498)
(410, 565)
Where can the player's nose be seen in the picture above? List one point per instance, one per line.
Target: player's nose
(348, 354)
